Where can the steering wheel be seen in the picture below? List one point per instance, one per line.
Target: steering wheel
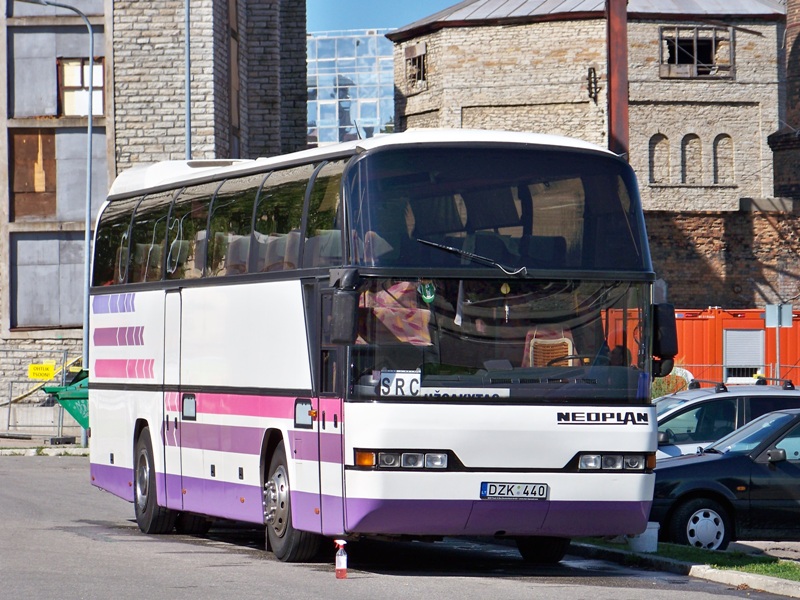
(592, 357)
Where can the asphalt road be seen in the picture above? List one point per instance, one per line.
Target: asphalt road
(60, 537)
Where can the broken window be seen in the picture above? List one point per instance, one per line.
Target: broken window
(33, 174)
(417, 66)
(73, 87)
(696, 52)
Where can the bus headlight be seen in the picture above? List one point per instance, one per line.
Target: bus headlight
(615, 462)
(409, 459)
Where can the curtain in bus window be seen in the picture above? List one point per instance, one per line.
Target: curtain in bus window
(186, 236)
(278, 218)
(111, 243)
(323, 246)
(148, 233)
(231, 224)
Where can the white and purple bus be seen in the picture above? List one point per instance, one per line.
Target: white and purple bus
(426, 334)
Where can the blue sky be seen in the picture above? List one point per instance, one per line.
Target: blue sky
(326, 15)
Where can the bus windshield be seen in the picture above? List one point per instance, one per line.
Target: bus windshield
(510, 209)
(509, 339)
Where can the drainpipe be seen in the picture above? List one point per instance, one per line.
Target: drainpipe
(617, 40)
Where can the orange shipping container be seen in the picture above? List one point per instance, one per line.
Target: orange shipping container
(733, 345)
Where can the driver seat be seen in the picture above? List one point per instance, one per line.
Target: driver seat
(543, 345)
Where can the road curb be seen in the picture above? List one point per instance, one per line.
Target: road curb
(44, 452)
(736, 579)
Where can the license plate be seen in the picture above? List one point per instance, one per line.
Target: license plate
(514, 491)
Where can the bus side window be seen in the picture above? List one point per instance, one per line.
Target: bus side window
(324, 231)
(111, 245)
(278, 217)
(148, 238)
(186, 235)
(231, 224)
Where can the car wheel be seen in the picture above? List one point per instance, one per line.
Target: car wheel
(702, 523)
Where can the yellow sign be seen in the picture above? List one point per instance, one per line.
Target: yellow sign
(41, 372)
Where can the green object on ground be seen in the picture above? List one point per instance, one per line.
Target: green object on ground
(74, 397)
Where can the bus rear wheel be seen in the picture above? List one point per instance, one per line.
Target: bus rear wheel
(150, 517)
(287, 543)
(542, 549)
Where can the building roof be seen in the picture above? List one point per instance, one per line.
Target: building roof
(473, 12)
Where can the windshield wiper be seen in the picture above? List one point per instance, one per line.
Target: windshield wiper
(476, 258)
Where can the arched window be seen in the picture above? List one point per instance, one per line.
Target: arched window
(691, 160)
(659, 159)
(723, 159)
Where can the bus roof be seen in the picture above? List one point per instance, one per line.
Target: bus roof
(141, 178)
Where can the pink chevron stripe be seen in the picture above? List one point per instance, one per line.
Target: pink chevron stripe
(139, 368)
(119, 336)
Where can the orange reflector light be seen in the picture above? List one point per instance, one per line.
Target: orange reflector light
(365, 459)
(651, 461)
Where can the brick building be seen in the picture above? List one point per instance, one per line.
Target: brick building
(248, 99)
(692, 102)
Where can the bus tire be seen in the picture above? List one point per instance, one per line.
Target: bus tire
(287, 543)
(150, 517)
(542, 549)
(192, 524)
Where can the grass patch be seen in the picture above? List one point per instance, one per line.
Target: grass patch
(757, 564)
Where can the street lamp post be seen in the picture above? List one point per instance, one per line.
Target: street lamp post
(87, 239)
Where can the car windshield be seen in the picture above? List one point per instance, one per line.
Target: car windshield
(745, 439)
(667, 403)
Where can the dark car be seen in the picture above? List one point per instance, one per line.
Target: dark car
(745, 486)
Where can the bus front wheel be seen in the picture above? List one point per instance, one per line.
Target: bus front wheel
(542, 549)
(150, 517)
(287, 543)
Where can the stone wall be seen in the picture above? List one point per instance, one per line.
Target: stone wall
(149, 71)
(744, 109)
(724, 258)
(17, 355)
(521, 78)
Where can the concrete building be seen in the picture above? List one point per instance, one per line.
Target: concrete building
(248, 99)
(350, 85)
(689, 90)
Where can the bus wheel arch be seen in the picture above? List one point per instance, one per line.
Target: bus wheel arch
(287, 543)
(151, 518)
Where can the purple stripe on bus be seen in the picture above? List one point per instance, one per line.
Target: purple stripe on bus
(114, 479)
(247, 440)
(120, 368)
(119, 336)
(220, 498)
(114, 303)
(490, 517)
(220, 438)
(307, 519)
(304, 446)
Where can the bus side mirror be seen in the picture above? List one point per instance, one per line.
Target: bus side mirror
(344, 326)
(344, 323)
(665, 339)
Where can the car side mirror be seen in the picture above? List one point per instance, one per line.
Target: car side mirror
(663, 438)
(775, 455)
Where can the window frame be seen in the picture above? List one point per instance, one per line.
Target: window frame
(63, 88)
(678, 36)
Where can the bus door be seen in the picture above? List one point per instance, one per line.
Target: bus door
(173, 401)
(330, 388)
